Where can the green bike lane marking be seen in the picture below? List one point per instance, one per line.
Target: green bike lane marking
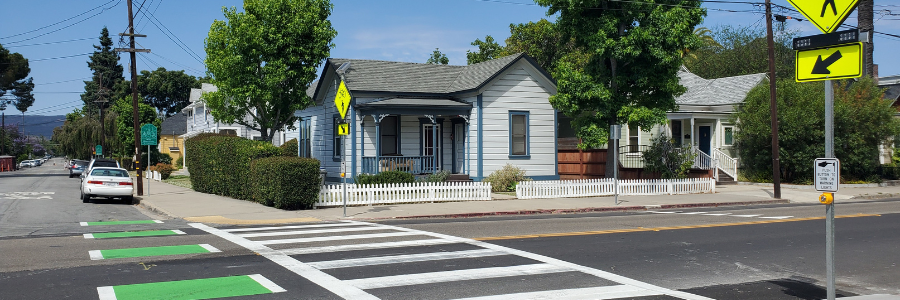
(151, 251)
(120, 222)
(109, 235)
(208, 288)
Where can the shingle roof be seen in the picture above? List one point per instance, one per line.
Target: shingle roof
(403, 77)
(727, 90)
(176, 123)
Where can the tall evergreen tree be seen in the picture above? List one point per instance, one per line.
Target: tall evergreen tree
(23, 92)
(104, 62)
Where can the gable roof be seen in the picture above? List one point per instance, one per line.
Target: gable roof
(719, 91)
(176, 123)
(403, 77)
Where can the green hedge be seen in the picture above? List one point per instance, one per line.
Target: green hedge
(220, 164)
(290, 148)
(385, 177)
(285, 182)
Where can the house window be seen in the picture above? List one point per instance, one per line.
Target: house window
(336, 148)
(518, 133)
(389, 141)
(305, 138)
(676, 132)
(634, 138)
(231, 132)
(729, 136)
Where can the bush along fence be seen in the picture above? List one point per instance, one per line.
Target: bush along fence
(606, 187)
(365, 194)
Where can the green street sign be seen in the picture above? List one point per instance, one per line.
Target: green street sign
(99, 150)
(148, 135)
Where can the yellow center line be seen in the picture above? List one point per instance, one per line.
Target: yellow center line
(642, 229)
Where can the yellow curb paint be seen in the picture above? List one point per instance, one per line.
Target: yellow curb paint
(641, 229)
(230, 221)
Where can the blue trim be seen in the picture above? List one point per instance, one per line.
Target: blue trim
(479, 103)
(555, 142)
(334, 118)
(352, 138)
(527, 115)
(362, 136)
(545, 177)
(422, 121)
(453, 150)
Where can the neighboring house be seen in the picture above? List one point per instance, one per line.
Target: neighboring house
(422, 118)
(170, 140)
(198, 120)
(891, 84)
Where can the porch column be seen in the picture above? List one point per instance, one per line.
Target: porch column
(377, 144)
(434, 140)
(693, 136)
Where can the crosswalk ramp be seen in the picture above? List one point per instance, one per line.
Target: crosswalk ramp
(360, 260)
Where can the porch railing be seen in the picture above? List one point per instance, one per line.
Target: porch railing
(632, 156)
(702, 160)
(409, 164)
(725, 163)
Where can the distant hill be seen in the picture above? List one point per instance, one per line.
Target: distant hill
(36, 125)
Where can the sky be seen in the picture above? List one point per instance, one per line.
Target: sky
(57, 35)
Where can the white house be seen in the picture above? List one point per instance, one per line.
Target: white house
(423, 118)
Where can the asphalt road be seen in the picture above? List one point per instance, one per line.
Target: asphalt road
(758, 252)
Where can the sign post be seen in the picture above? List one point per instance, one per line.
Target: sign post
(833, 55)
(615, 133)
(148, 138)
(342, 103)
(98, 150)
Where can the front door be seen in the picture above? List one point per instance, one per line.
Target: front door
(459, 148)
(705, 138)
(429, 148)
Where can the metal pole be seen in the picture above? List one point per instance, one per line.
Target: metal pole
(829, 209)
(344, 171)
(616, 169)
(148, 163)
(773, 105)
(134, 102)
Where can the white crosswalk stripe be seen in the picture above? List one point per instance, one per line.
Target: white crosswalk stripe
(358, 288)
(701, 213)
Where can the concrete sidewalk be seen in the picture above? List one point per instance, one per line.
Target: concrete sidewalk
(179, 202)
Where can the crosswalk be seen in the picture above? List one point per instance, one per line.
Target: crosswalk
(346, 248)
(720, 214)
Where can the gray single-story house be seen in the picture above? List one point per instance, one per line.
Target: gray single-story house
(423, 118)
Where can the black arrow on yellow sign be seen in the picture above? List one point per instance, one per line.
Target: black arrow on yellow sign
(821, 66)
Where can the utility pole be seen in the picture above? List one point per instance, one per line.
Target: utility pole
(134, 102)
(866, 11)
(101, 100)
(773, 105)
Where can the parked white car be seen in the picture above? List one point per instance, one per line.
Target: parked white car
(107, 182)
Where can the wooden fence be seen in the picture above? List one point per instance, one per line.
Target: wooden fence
(332, 195)
(606, 187)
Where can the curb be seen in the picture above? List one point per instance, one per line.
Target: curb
(154, 209)
(589, 209)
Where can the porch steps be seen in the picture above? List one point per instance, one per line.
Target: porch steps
(459, 178)
(724, 179)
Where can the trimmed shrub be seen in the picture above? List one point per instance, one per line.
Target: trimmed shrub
(285, 182)
(437, 177)
(505, 180)
(385, 177)
(164, 170)
(220, 164)
(179, 162)
(289, 148)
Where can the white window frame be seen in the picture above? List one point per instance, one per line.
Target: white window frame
(724, 127)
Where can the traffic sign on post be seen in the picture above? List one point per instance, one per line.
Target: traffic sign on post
(343, 128)
(98, 150)
(148, 135)
(827, 176)
(827, 15)
(342, 100)
(828, 63)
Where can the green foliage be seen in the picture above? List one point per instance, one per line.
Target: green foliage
(122, 109)
(642, 42)
(437, 58)
(541, 40)
(13, 68)
(747, 45)
(220, 164)
(104, 63)
(505, 179)
(262, 60)
(285, 182)
(667, 159)
(385, 178)
(290, 148)
(862, 122)
(440, 176)
(487, 50)
(179, 163)
(164, 170)
(23, 91)
(167, 91)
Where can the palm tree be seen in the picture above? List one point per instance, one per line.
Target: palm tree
(705, 36)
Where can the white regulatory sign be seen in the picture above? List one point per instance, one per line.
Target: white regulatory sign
(343, 167)
(827, 174)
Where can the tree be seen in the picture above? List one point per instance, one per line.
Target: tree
(13, 68)
(124, 123)
(632, 60)
(741, 51)
(23, 92)
(104, 63)
(437, 58)
(263, 59)
(487, 50)
(541, 40)
(709, 42)
(671, 161)
(862, 122)
(167, 91)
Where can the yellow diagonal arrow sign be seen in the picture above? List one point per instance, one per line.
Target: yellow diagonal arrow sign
(827, 15)
(833, 62)
(342, 100)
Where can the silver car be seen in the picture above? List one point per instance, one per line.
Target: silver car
(107, 182)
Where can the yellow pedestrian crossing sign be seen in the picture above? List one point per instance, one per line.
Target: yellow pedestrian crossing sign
(827, 15)
(343, 128)
(342, 100)
(827, 63)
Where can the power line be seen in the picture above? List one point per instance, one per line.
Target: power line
(154, 11)
(70, 25)
(75, 16)
(177, 64)
(50, 43)
(70, 80)
(156, 22)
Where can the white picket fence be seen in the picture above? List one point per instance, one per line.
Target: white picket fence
(606, 187)
(366, 194)
(153, 175)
